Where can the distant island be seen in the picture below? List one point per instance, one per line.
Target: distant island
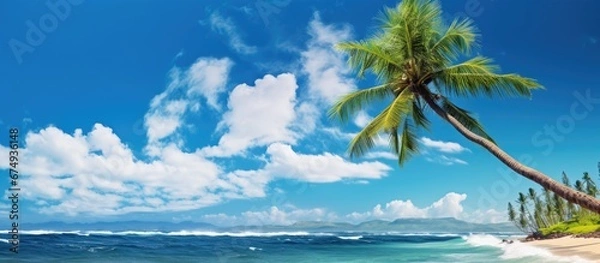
(408, 225)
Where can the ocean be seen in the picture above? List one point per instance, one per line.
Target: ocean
(283, 247)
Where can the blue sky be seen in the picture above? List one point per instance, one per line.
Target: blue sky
(215, 111)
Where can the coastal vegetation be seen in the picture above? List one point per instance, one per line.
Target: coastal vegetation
(423, 64)
(546, 215)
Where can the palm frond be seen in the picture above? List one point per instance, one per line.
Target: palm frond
(410, 27)
(394, 140)
(365, 139)
(459, 39)
(478, 76)
(464, 117)
(349, 104)
(409, 145)
(399, 109)
(418, 115)
(370, 55)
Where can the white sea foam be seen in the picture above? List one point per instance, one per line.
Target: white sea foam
(49, 232)
(420, 234)
(4, 240)
(255, 248)
(517, 249)
(176, 233)
(350, 237)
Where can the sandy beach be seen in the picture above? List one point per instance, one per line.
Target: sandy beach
(588, 248)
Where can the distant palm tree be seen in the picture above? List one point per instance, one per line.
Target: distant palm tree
(562, 211)
(552, 216)
(590, 185)
(538, 209)
(512, 217)
(522, 200)
(570, 207)
(413, 57)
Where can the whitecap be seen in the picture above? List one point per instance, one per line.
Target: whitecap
(517, 249)
(350, 237)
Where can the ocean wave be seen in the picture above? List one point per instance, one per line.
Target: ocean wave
(401, 234)
(517, 249)
(4, 240)
(174, 233)
(350, 237)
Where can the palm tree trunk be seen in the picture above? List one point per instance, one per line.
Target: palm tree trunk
(565, 192)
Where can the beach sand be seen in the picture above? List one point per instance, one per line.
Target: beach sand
(588, 248)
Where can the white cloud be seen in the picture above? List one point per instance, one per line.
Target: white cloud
(326, 68)
(362, 119)
(445, 160)
(320, 168)
(95, 173)
(255, 119)
(381, 155)
(339, 134)
(271, 216)
(443, 147)
(447, 206)
(207, 77)
(225, 27)
(446, 147)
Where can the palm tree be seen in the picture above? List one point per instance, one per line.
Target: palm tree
(512, 217)
(538, 214)
(590, 185)
(570, 207)
(552, 215)
(562, 211)
(522, 200)
(413, 56)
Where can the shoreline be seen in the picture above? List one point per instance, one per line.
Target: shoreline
(585, 248)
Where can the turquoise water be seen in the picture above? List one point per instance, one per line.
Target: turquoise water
(46, 246)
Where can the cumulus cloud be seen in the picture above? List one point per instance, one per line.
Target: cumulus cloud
(226, 27)
(94, 172)
(447, 206)
(319, 168)
(326, 68)
(254, 118)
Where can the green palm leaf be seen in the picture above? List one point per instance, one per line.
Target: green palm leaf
(459, 39)
(464, 117)
(478, 76)
(409, 145)
(365, 139)
(349, 104)
(370, 54)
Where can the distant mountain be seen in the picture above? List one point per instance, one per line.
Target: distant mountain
(408, 225)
